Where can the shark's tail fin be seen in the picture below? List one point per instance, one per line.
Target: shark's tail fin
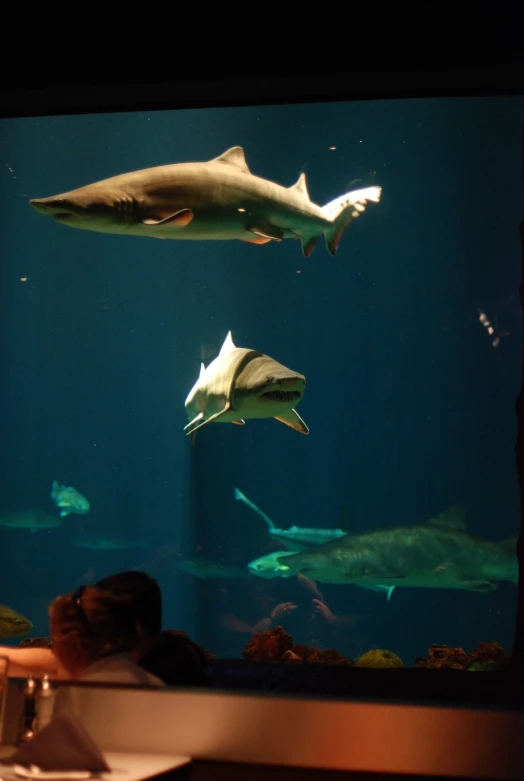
(343, 210)
(243, 498)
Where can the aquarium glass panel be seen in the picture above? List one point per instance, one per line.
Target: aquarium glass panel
(297, 409)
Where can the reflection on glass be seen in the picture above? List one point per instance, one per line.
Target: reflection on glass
(348, 270)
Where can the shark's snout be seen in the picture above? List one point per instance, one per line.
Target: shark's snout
(292, 383)
(58, 208)
(39, 204)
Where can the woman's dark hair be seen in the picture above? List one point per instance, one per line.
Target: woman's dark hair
(144, 592)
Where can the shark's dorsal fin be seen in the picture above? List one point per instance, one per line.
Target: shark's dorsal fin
(228, 344)
(301, 186)
(202, 370)
(453, 518)
(346, 522)
(234, 156)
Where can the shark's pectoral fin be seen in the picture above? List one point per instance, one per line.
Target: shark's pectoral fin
(201, 420)
(178, 219)
(239, 422)
(268, 232)
(293, 419)
(195, 424)
(191, 423)
(381, 589)
(259, 240)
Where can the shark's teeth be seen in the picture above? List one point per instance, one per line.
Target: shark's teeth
(280, 395)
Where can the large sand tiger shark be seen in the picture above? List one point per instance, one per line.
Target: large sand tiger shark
(436, 554)
(217, 199)
(242, 383)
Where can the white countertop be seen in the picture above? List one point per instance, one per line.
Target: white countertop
(136, 767)
(124, 766)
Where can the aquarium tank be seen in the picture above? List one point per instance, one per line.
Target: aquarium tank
(337, 284)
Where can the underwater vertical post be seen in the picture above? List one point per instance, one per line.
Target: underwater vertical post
(517, 657)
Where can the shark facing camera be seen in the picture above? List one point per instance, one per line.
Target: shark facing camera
(242, 384)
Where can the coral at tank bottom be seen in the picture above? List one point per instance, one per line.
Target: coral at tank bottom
(276, 645)
(486, 656)
(379, 658)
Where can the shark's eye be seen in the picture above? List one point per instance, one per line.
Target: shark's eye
(269, 379)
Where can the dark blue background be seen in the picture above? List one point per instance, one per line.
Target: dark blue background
(410, 407)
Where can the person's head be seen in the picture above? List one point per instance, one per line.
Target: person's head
(146, 597)
(89, 624)
(36, 642)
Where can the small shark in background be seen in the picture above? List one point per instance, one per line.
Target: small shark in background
(69, 500)
(204, 568)
(12, 624)
(106, 543)
(244, 384)
(32, 520)
(435, 554)
(219, 199)
(299, 538)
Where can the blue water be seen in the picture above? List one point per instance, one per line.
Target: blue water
(410, 406)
